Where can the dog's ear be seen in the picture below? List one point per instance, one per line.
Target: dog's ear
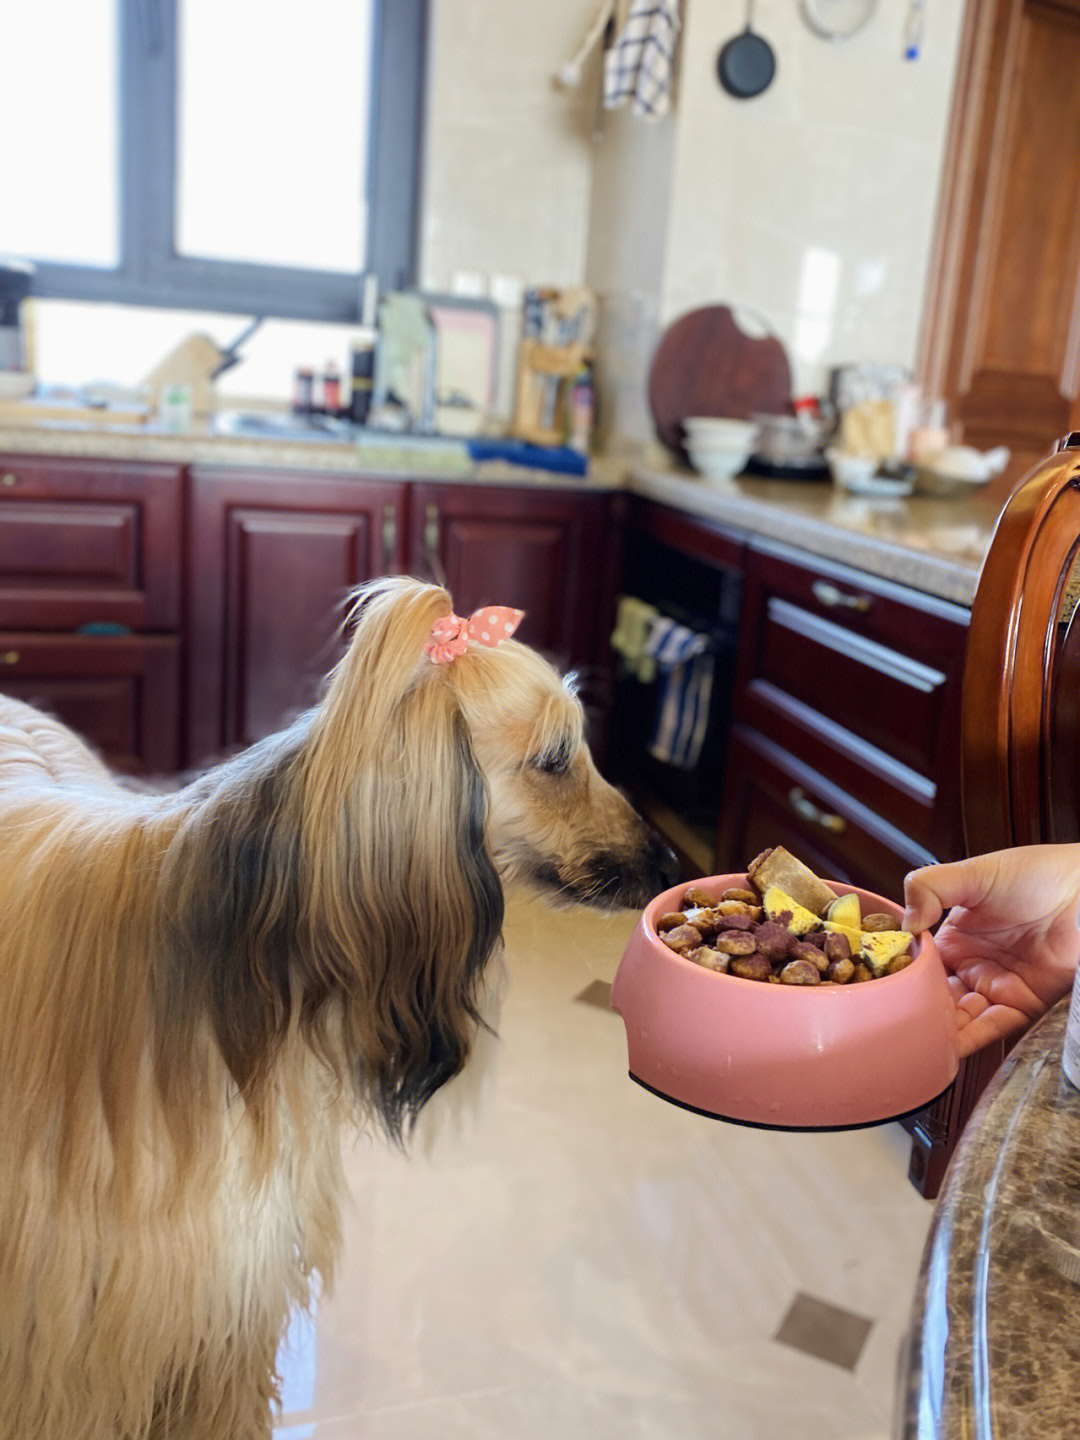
(337, 879)
(404, 905)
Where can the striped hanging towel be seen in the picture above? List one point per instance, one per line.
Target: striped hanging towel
(685, 660)
(639, 66)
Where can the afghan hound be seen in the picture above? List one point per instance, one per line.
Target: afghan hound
(200, 988)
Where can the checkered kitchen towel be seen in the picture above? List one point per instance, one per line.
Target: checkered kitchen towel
(685, 662)
(639, 64)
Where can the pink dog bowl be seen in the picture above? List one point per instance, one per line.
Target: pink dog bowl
(785, 1056)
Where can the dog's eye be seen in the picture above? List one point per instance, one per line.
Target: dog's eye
(553, 762)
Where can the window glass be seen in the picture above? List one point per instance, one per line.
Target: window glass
(59, 168)
(273, 105)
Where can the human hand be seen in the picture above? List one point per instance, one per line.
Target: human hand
(1010, 940)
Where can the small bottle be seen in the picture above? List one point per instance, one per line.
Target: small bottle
(331, 389)
(303, 392)
(176, 409)
(1070, 1055)
(932, 434)
(363, 371)
(581, 412)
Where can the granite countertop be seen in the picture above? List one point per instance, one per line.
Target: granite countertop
(376, 456)
(933, 545)
(936, 546)
(994, 1347)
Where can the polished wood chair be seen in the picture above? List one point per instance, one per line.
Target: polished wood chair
(1020, 720)
(1019, 760)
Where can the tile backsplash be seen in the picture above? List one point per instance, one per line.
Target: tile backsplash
(813, 205)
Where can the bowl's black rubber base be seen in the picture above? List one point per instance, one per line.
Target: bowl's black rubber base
(762, 1125)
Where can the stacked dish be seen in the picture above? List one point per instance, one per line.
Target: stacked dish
(719, 447)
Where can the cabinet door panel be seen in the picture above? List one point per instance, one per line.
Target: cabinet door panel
(274, 557)
(84, 541)
(120, 693)
(537, 549)
(487, 559)
(289, 574)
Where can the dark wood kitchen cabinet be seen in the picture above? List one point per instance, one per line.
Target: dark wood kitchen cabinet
(845, 749)
(273, 557)
(90, 600)
(844, 742)
(550, 552)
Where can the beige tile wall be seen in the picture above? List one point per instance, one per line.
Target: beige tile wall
(812, 204)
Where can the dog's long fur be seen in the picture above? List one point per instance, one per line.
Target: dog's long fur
(199, 989)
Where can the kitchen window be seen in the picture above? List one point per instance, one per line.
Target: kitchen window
(211, 154)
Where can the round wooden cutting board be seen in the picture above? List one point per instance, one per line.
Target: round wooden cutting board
(706, 365)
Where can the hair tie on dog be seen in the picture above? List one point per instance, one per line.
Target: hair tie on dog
(450, 635)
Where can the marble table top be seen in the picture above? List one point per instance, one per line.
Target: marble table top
(994, 1346)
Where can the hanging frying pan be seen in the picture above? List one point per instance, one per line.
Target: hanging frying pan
(746, 64)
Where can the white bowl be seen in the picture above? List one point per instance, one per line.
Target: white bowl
(709, 429)
(718, 462)
(857, 474)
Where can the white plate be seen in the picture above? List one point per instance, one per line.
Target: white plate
(882, 486)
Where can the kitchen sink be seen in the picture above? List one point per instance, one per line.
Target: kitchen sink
(389, 449)
(271, 425)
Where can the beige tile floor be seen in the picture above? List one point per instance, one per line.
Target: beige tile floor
(561, 1255)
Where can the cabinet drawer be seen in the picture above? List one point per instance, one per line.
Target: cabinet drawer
(861, 679)
(120, 693)
(85, 541)
(874, 660)
(774, 798)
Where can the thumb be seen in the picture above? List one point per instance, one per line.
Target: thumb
(934, 889)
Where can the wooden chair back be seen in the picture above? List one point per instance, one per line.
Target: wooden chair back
(1020, 722)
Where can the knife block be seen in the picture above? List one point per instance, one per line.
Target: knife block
(544, 379)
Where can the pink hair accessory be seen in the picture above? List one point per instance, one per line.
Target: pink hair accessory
(450, 635)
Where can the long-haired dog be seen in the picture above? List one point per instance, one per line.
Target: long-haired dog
(199, 989)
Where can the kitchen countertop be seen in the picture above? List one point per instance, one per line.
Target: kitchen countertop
(378, 455)
(933, 545)
(936, 546)
(994, 1346)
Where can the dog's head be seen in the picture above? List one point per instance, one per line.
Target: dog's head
(450, 779)
(553, 821)
(543, 814)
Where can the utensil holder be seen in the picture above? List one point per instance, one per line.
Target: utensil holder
(545, 376)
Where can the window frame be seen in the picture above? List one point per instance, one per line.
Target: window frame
(152, 272)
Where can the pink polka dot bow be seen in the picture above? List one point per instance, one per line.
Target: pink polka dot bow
(450, 635)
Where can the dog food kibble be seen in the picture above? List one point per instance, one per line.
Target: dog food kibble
(786, 927)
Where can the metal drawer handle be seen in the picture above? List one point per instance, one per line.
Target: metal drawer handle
(805, 808)
(9, 480)
(432, 540)
(9, 657)
(389, 537)
(830, 596)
